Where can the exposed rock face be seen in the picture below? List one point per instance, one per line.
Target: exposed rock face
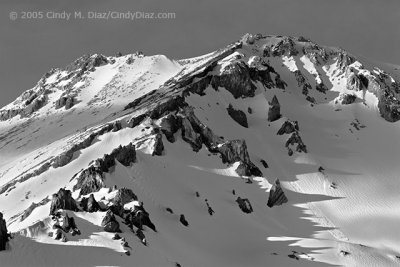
(63, 159)
(65, 101)
(279, 82)
(138, 218)
(346, 99)
(116, 126)
(135, 121)
(274, 111)
(288, 127)
(62, 200)
(353, 81)
(3, 233)
(90, 180)
(321, 87)
(236, 79)
(190, 136)
(264, 163)
(302, 82)
(236, 151)
(276, 195)
(244, 205)
(124, 154)
(284, 47)
(238, 116)
(169, 125)
(158, 145)
(109, 223)
(123, 196)
(389, 107)
(296, 139)
(90, 204)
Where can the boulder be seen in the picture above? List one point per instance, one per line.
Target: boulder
(62, 200)
(238, 116)
(274, 111)
(276, 195)
(244, 205)
(183, 220)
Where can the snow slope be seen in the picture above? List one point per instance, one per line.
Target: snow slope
(343, 193)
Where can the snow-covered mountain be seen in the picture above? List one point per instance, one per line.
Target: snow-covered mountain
(273, 151)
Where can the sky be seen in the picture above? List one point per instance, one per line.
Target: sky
(31, 47)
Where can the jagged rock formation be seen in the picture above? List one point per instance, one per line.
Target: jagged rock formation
(90, 204)
(123, 196)
(346, 99)
(158, 147)
(236, 151)
(135, 121)
(190, 136)
(276, 195)
(65, 101)
(302, 82)
(126, 155)
(110, 223)
(90, 180)
(169, 125)
(274, 111)
(139, 217)
(244, 205)
(288, 127)
(238, 116)
(296, 139)
(63, 200)
(236, 79)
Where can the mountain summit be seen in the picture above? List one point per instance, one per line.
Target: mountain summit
(272, 151)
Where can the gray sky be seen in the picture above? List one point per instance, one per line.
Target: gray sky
(29, 48)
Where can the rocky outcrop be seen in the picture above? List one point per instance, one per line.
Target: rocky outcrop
(302, 82)
(158, 146)
(288, 127)
(183, 220)
(63, 200)
(90, 204)
(296, 139)
(321, 87)
(389, 107)
(169, 125)
(274, 111)
(135, 121)
(279, 82)
(126, 155)
(124, 195)
(346, 99)
(286, 46)
(190, 136)
(110, 223)
(139, 217)
(236, 151)
(244, 205)
(116, 126)
(65, 101)
(90, 180)
(236, 79)
(238, 116)
(276, 195)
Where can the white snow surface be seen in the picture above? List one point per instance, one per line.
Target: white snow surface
(351, 206)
